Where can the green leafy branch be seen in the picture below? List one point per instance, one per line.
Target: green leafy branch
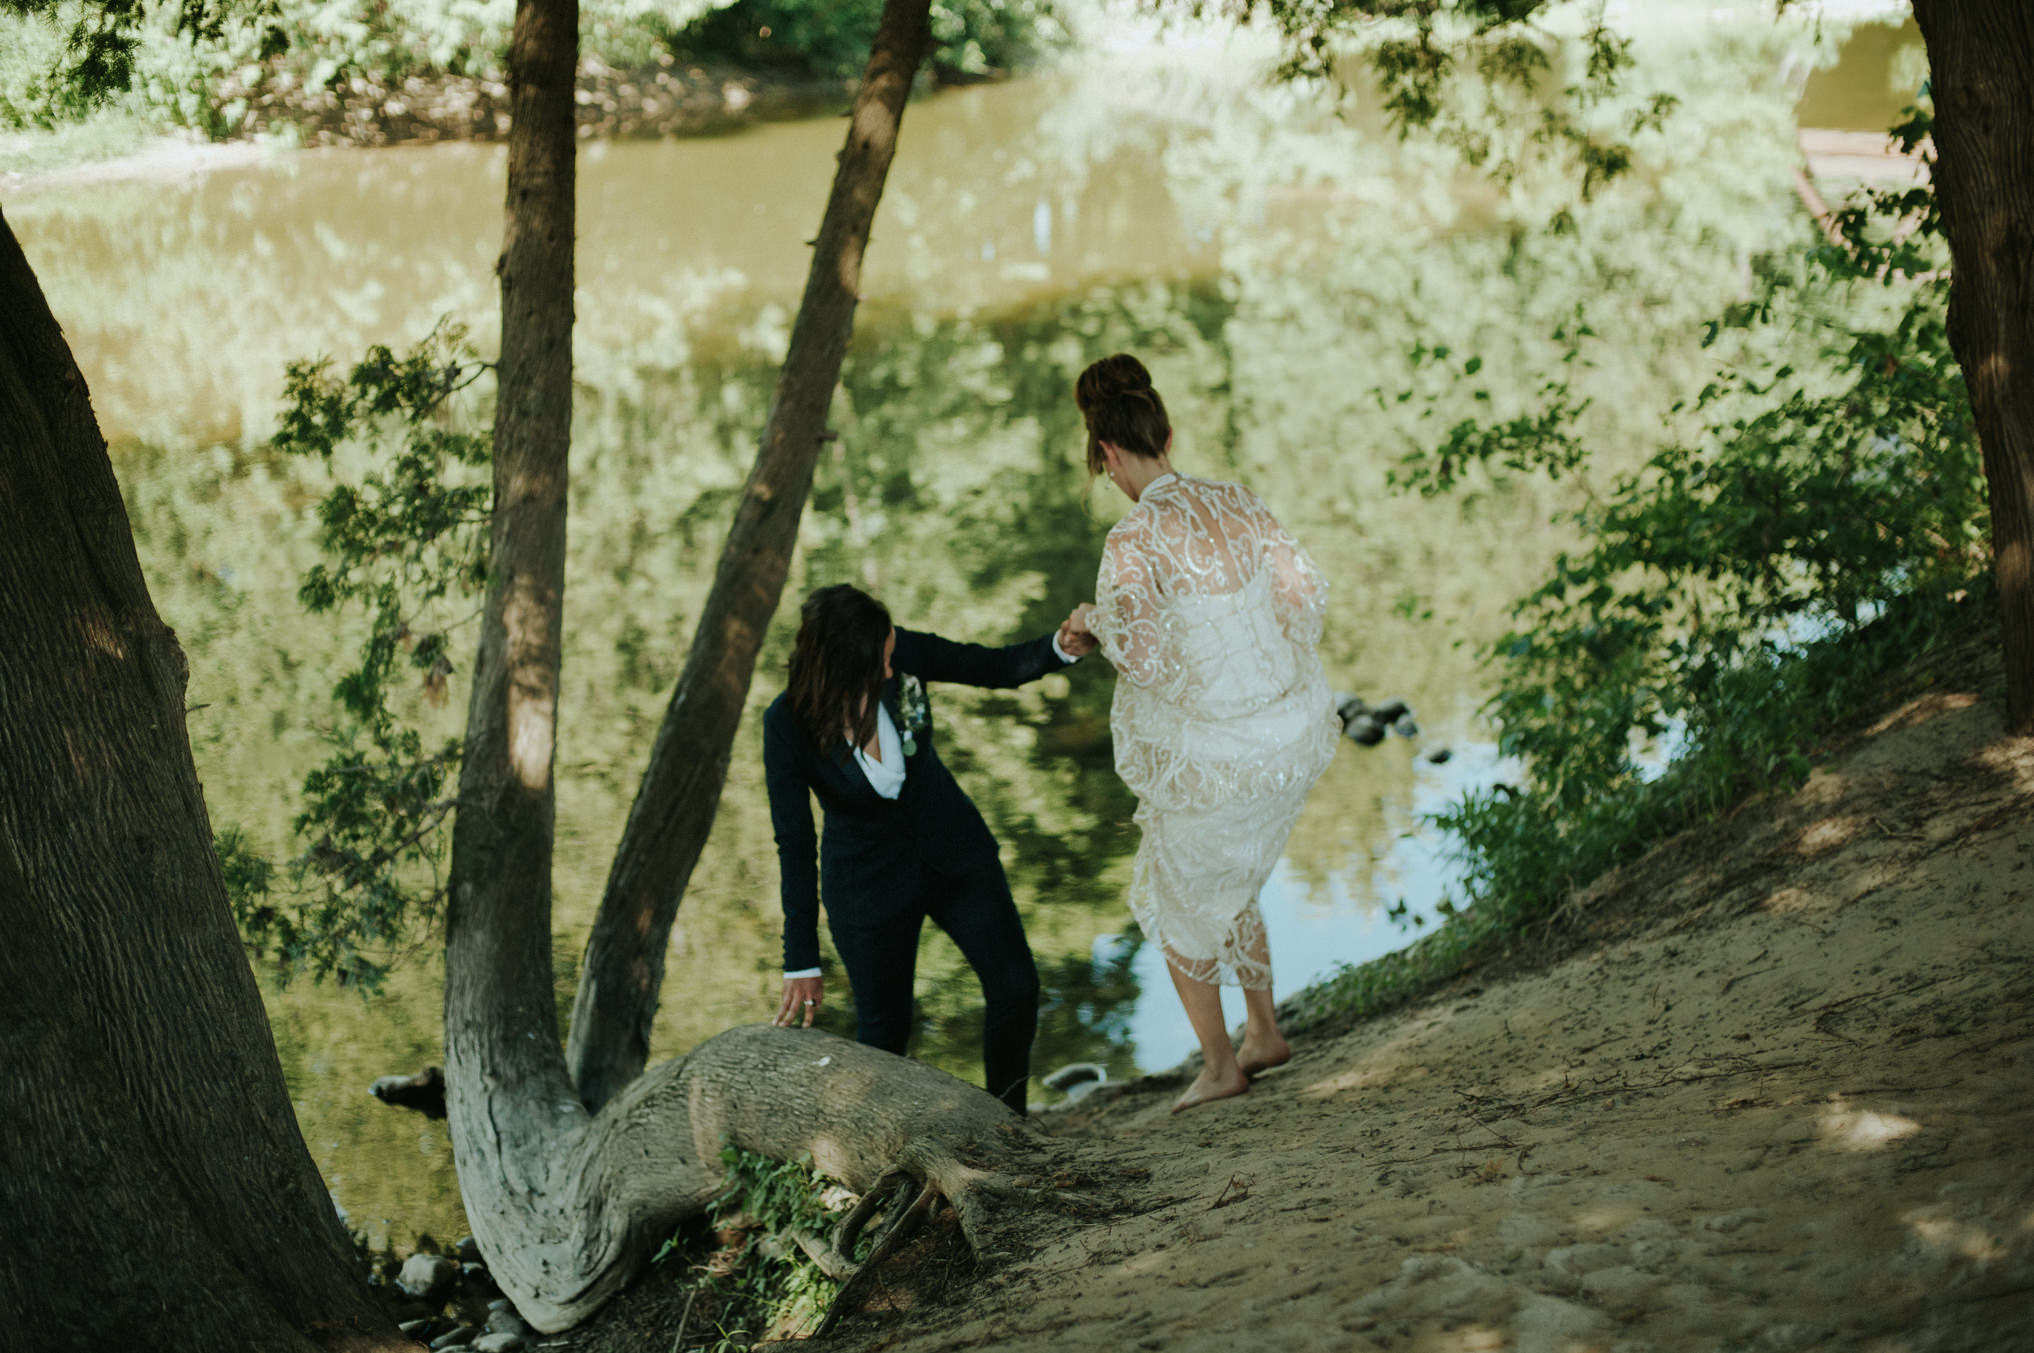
(405, 539)
(1418, 49)
(1735, 597)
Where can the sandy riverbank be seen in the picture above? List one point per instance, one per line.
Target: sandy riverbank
(1778, 1096)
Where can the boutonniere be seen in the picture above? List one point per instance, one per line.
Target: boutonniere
(917, 710)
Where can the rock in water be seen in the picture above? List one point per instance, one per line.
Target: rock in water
(1404, 726)
(1365, 729)
(1076, 1073)
(458, 1337)
(1391, 711)
(424, 1092)
(1440, 756)
(1348, 707)
(426, 1276)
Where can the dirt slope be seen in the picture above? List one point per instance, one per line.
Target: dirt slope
(1781, 1098)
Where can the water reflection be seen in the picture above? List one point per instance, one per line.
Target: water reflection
(1274, 265)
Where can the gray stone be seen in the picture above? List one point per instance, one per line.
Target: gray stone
(1391, 711)
(1622, 1291)
(1727, 1222)
(458, 1337)
(1550, 1325)
(1523, 1234)
(1570, 1264)
(1365, 730)
(468, 1250)
(426, 1276)
(505, 1321)
(500, 1343)
(1441, 756)
(1432, 1285)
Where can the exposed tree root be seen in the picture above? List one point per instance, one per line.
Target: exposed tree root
(902, 1134)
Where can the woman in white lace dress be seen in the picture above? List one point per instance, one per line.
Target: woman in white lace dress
(1211, 613)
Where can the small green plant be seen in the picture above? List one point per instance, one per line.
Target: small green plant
(772, 1285)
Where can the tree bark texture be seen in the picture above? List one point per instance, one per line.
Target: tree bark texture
(155, 1188)
(509, 1103)
(622, 976)
(1981, 72)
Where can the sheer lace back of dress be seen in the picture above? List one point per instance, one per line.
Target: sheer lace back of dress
(1211, 613)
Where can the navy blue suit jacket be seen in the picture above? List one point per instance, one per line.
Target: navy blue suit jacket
(868, 861)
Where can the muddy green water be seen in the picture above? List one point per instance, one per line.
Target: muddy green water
(1273, 264)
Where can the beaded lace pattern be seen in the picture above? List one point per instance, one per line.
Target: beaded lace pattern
(1211, 613)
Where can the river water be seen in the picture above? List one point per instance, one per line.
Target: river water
(1288, 274)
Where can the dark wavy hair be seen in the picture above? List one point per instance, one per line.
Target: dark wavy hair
(1121, 408)
(837, 663)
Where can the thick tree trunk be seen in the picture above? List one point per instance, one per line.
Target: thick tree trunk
(623, 973)
(156, 1191)
(1981, 71)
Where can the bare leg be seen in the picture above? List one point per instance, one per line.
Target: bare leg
(1264, 1046)
(1220, 1076)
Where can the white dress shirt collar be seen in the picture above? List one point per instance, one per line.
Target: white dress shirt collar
(886, 777)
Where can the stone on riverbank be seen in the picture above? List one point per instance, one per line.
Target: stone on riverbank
(426, 1276)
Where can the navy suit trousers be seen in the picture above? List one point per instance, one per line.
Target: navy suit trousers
(973, 906)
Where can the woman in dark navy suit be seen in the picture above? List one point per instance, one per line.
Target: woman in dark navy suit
(903, 843)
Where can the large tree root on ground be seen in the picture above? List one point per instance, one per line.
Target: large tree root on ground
(564, 1229)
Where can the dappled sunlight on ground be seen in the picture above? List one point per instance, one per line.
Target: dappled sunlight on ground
(1830, 833)
(1389, 1065)
(1961, 1239)
(1848, 1129)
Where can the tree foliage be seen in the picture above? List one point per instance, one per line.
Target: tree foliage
(402, 544)
(1447, 66)
(1734, 593)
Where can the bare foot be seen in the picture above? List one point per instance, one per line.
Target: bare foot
(1254, 1057)
(1208, 1086)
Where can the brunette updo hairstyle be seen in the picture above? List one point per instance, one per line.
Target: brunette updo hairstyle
(836, 670)
(1121, 408)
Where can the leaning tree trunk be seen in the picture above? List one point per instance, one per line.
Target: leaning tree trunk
(563, 1202)
(1981, 72)
(623, 972)
(156, 1191)
(508, 1102)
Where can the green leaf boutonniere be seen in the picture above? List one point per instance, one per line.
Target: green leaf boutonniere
(917, 711)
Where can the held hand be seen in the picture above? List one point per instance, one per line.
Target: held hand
(1074, 635)
(801, 994)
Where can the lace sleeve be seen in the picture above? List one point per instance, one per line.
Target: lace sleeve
(1125, 617)
(1300, 591)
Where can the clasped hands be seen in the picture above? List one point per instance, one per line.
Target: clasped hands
(1075, 639)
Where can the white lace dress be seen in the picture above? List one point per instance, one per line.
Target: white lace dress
(1211, 613)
